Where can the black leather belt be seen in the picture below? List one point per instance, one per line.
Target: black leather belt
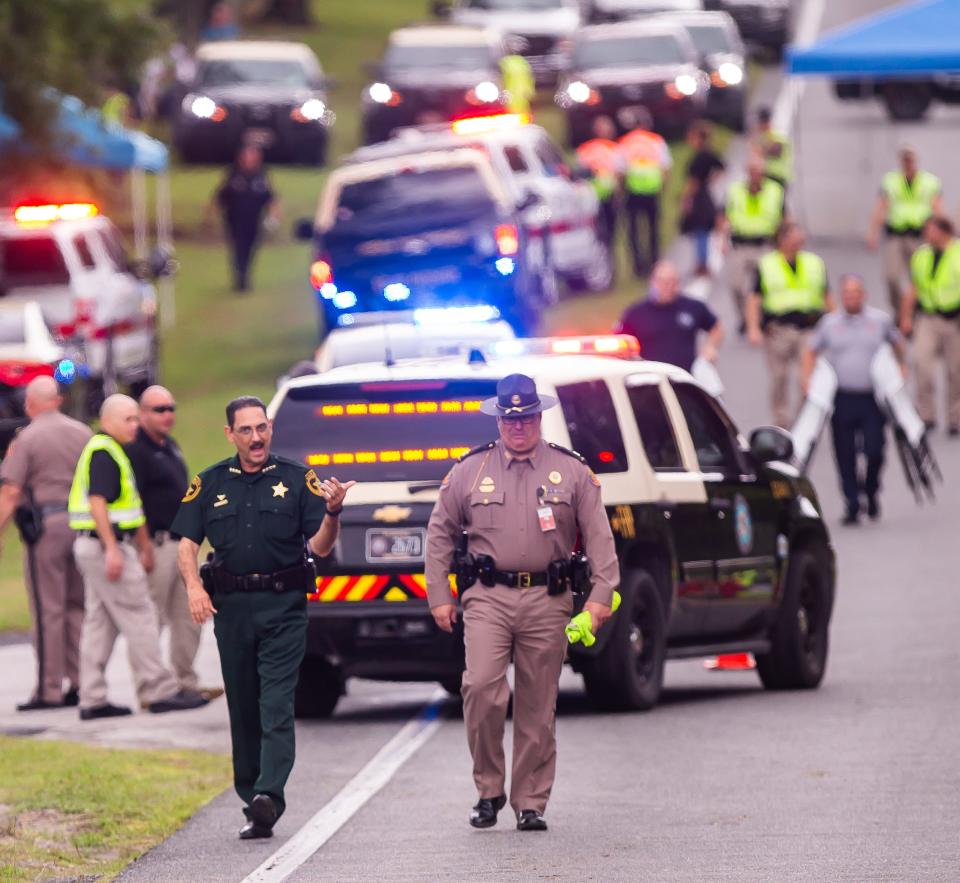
(908, 231)
(749, 240)
(288, 580)
(520, 579)
(121, 535)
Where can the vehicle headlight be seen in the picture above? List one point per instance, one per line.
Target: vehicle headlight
(686, 84)
(578, 91)
(313, 109)
(487, 91)
(730, 73)
(381, 93)
(202, 106)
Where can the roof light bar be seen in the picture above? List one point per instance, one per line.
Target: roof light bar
(484, 125)
(50, 212)
(406, 455)
(623, 346)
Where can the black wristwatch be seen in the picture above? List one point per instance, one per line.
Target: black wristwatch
(335, 514)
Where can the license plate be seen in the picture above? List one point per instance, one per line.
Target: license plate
(402, 544)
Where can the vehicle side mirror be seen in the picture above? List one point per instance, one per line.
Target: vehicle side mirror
(441, 8)
(303, 229)
(529, 200)
(771, 443)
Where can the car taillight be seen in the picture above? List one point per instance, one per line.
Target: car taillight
(508, 242)
(321, 273)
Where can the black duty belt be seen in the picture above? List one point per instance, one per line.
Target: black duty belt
(749, 240)
(943, 314)
(121, 535)
(520, 579)
(291, 579)
(914, 232)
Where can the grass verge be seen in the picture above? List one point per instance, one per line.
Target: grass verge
(70, 810)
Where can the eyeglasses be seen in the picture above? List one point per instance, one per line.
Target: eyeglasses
(164, 409)
(529, 420)
(247, 431)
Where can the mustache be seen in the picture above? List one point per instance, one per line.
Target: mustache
(256, 446)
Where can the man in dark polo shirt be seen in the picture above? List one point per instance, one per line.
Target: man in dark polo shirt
(668, 323)
(162, 479)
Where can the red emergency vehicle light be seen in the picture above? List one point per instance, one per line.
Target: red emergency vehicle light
(49, 212)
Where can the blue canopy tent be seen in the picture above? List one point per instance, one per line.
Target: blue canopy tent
(912, 40)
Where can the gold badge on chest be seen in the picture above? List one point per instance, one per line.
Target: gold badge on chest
(555, 477)
(486, 485)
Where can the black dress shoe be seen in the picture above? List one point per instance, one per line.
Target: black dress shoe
(253, 831)
(851, 519)
(484, 814)
(181, 701)
(262, 811)
(953, 431)
(108, 710)
(71, 699)
(531, 820)
(38, 705)
(873, 509)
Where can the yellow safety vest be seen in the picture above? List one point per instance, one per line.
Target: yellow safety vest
(779, 167)
(785, 291)
(126, 512)
(755, 215)
(909, 204)
(518, 82)
(938, 291)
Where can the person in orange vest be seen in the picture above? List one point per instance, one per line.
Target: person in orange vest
(602, 158)
(647, 162)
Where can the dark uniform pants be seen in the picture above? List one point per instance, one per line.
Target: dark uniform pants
(858, 426)
(261, 637)
(243, 238)
(647, 206)
(527, 625)
(607, 220)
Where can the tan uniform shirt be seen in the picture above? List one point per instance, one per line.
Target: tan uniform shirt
(44, 455)
(495, 497)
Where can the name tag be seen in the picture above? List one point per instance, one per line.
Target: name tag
(547, 520)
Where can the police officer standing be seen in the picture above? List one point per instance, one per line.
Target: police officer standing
(754, 211)
(775, 149)
(908, 197)
(36, 474)
(848, 338)
(113, 552)
(243, 197)
(521, 503)
(790, 294)
(260, 512)
(935, 298)
(601, 156)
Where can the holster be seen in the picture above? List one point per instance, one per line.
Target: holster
(206, 575)
(28, 517)
(463, 567)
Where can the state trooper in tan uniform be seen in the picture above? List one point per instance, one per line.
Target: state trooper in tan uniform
(521, 503)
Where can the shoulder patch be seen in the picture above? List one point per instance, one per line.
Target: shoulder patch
(193, 491)
(593, 479)
(313, 483)
(568, 452)
(479, 449)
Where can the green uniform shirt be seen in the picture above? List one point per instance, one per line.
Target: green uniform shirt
(255, 521)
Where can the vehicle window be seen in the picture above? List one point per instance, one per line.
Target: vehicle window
(551, 158)
(627, 51)
(465, 58)
(231, 72)
(515, 159)
(83, 250)
(115, 250)
(656, 431)
(413, 190)
(714, 437)
(710, 38)
(383, 431)
(12, 327)
(592, 424)
(31, 260)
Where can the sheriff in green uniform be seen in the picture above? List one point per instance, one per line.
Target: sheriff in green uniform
(259, 512)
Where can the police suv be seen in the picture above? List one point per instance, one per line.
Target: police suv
(70, 260)
(722, 544)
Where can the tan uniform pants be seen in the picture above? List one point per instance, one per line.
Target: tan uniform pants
(784, 345)
(170, 598)
(935, 336)
(55, 588)
(528, 624)
(117, 608)
(897, 251)
(741, 267)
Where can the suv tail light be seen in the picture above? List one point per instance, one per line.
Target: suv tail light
(508, 242)
(321, 274)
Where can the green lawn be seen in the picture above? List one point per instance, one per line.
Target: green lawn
(71, 811)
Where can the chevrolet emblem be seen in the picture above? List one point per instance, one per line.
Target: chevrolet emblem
(392, 513)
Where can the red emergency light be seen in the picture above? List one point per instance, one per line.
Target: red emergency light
(47, 213)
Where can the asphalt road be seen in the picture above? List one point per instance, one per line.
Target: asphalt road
(856, 781)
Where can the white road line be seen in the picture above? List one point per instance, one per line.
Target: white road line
(363, 786)
(808, 28)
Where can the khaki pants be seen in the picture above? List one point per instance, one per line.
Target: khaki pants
(741, 267)
(170, 598)
(527, 624)
(935, 336)
(784, 345)
(118, 608)
(56, 604)
(897, 251)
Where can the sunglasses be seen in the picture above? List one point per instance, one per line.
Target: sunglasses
(164, 409)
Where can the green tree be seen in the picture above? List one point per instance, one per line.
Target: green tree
(78, 47)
